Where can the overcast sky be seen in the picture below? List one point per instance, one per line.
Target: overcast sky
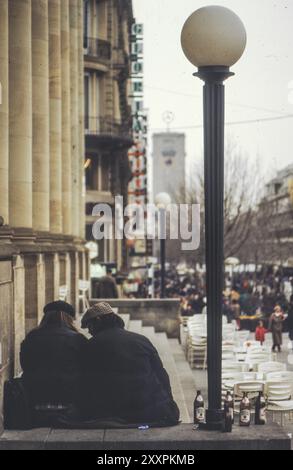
(259, 90)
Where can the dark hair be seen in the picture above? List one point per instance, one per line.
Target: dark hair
(58, 318)
(105, 322)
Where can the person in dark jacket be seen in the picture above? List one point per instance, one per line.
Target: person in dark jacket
(51, 358)
(126, 378)
(290, 319)
(106, 287)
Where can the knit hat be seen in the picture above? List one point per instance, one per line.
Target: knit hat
(59, 306)
(96, 311)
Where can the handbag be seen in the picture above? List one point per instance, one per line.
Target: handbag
(17, 411)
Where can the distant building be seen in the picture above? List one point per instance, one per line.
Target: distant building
(169, 164)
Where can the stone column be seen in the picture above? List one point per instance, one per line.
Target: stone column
(56, 276)
(66, 120)
(75, 279)
(74, 95)
(20, 114)
(31, 292)
(40, 104)
(41, 286)
(81, 120)
(55, 94)
(68, 275)
(4, 134)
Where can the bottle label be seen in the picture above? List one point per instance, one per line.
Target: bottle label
(199, 414)
(263, 415)
(245, 417)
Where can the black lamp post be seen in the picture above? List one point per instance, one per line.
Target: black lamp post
(162, 201)
(214, 38)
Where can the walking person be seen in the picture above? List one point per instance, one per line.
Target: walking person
(276, 326)
(290, 320)
(260, 332)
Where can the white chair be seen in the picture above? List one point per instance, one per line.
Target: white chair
(279, 395)
(242, 336)
(197, 352)
(272, 366)
(63, 293)
(254, 358)
(228, 366)
(83, 292)
(279, 375)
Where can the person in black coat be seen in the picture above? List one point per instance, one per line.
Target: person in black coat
(126, 380)
(51, 358)
(290, 318)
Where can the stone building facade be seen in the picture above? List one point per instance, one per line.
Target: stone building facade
(108, 121)
(42, 198)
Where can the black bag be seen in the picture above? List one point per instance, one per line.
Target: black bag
(16, 408)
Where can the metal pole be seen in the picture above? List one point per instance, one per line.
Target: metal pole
(214, 118)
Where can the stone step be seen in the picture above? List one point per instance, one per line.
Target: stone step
(185, 374)
(160, 342)
(135, 326)
(182, 437)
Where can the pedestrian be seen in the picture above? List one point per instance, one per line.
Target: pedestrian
(260, 332)
(236, 311)
(126, 381)
(106, 287)
(51, 358)
(290, 320)
(276, 326)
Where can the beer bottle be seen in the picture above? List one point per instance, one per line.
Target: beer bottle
(245, 411)
(260, 410)
(198, 408)
(228, 412)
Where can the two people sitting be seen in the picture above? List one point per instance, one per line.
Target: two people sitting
(115, 377)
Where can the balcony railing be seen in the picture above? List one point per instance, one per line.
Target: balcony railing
(106, 127)
(97, 48)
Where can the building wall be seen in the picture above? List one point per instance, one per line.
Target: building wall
(41, 164)
(169, 164)
(108, 124)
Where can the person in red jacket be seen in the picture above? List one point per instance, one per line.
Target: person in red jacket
(260, 332)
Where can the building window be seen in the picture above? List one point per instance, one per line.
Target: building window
(86, 22)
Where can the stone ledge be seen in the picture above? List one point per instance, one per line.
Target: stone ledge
(183, 437)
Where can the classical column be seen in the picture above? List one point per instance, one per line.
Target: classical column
(4, 177)
(55, 116)
(66, 120)
(20, 114)
(74, 98)
(40, 105)
(18, 308)
(56, 275)
(68, 275)
(41, 286)
(81, 120)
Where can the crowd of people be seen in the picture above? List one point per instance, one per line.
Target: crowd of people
(265, 295)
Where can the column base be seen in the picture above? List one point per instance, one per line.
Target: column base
(214, 421)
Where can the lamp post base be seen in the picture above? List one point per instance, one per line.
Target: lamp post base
(214, 421)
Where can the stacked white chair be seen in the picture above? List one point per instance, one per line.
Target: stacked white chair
(254, 358)
(272, 366)
(279, 394)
